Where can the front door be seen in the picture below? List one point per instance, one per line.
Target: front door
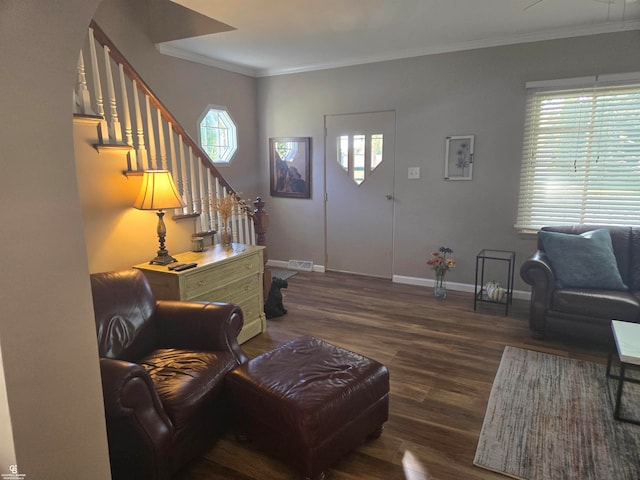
(359, 166)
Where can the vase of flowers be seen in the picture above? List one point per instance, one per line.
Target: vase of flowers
(440, 262)
(225, 207)
(226, 234)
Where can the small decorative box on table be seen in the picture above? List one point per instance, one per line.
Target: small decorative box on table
(231, 275)
(480, 293)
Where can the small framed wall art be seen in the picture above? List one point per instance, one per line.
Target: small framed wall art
(290, 167)
(458, 161)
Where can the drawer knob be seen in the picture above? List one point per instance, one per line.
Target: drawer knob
(201, 283)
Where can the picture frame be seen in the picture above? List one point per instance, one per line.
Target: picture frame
(290, 167)
(459, 157)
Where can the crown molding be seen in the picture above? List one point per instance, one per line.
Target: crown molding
(555, 34)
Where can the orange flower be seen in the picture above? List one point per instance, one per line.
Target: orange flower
(440, 261)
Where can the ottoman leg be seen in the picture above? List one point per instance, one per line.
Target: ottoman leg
(242, 437)
(376, 433)
(321, 476)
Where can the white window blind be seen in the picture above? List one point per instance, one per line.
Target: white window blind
(581, 157)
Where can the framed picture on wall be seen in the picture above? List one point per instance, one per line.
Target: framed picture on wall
(290, 167)
(458, 161)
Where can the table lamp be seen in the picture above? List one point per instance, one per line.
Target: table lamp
(158, 192)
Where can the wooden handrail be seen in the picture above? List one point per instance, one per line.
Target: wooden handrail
(118, 57)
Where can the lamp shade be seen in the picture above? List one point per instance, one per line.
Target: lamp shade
(158, 192)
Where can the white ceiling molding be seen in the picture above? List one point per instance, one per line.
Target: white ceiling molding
(281, 36)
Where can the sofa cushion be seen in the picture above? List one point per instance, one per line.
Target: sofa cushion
(597, 304)
(583, 261)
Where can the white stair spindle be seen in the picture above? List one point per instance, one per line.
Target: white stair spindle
(173, 159)
(252, 236)
(184, 168)
(203, 194)
(211, 193)
(150, 134)
(83, 100)
(195, 185)
(240, 225)
(244, 216)
(142, 151)
(218, 220)
(115, 129)
(163, 148)
(103, 129)
(236, 224)
(128, 133)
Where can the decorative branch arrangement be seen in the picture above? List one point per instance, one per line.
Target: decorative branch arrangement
(225, 207)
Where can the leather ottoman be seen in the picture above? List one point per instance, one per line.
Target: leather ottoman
(309, 402)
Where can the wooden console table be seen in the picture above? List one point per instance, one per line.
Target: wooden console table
(222, 275)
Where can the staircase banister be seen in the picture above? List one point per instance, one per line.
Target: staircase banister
(119, 58)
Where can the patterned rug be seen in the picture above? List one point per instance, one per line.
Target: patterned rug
(550, 417)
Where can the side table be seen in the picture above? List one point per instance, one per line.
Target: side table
(627, 337)
(488, 255)
(232, 275)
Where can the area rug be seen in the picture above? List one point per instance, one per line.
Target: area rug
(551, 417)
(283, 274)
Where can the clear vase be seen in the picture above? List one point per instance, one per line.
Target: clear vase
(226, 235)
(440, 287)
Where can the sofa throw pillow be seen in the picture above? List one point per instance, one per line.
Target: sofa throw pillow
(583, 261)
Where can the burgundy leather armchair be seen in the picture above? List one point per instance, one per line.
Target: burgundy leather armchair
(163, 365)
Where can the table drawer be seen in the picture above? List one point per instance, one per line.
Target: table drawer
(207, 280)
(251, 309)
(235, 292)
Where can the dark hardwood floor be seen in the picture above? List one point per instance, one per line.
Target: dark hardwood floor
(442, 358)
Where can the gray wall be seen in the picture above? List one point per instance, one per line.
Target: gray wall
(49, 349)
(479, 92)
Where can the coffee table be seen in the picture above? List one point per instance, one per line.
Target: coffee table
(627, 337)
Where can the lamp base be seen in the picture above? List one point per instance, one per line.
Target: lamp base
(163, 258)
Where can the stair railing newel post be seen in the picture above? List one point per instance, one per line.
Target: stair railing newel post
(261, 225)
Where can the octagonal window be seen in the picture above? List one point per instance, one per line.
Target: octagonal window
(218, 134)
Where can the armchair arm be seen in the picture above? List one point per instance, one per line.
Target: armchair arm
(536, 271)
(140, 432)
(200, 326)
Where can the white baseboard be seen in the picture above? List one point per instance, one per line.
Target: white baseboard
(455, 286)
(422, 282)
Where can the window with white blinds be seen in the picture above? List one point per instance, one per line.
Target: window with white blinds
(581, 157)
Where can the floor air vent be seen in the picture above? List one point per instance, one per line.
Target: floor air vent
(304, 265)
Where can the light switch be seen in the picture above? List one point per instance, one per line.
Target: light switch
(414, 172)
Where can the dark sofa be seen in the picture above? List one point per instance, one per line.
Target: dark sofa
(554, 303)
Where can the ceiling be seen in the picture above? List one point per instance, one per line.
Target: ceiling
(273, 37)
